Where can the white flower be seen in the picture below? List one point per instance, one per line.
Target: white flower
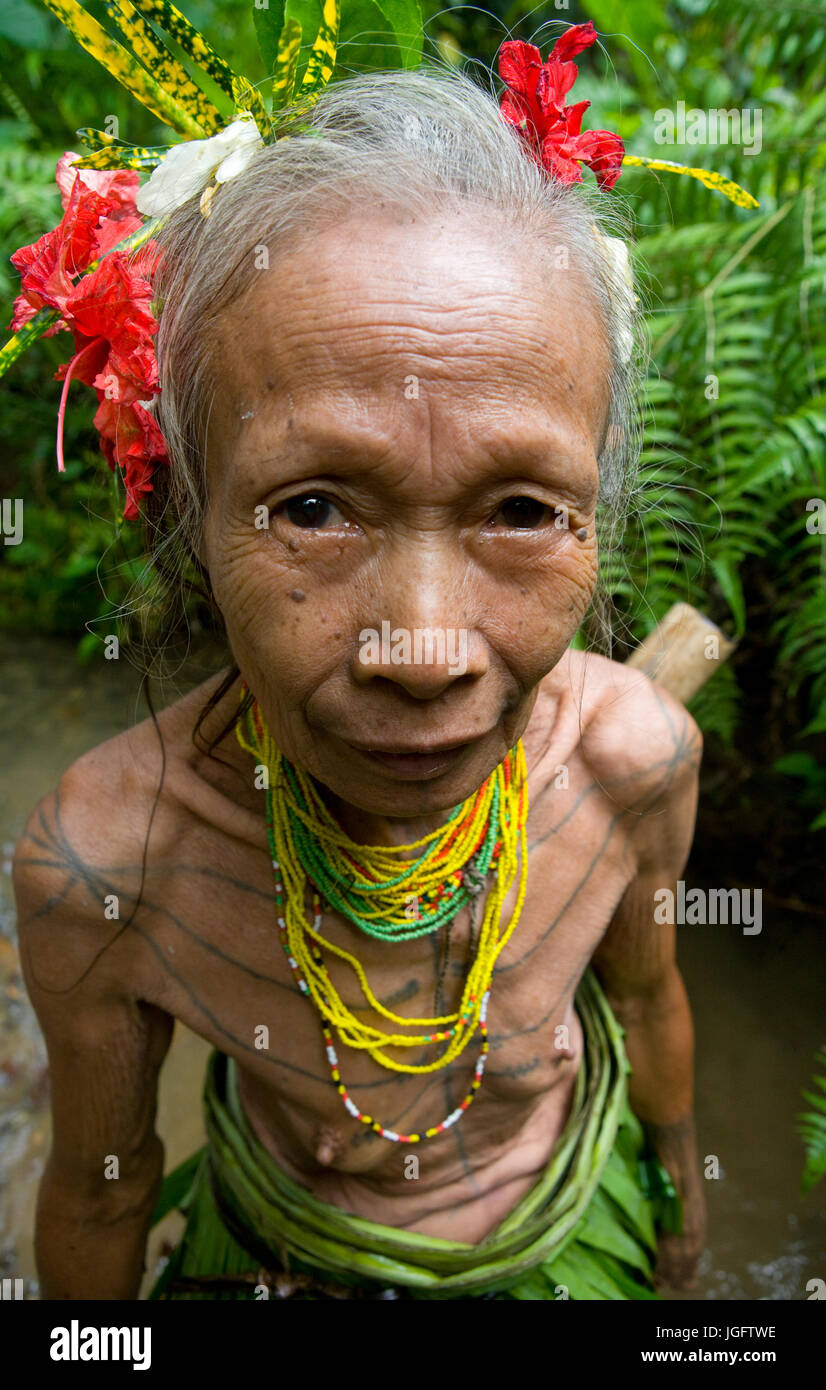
(617, 253)
(188, 167)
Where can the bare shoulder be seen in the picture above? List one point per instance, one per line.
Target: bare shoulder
(79, 864)
(640, 743)
(87, 950)
(97, 814)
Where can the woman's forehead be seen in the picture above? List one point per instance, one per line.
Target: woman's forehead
(380, 313)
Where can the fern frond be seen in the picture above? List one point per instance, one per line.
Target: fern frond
(812, 1128)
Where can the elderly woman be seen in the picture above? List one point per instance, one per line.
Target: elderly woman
(397, 864)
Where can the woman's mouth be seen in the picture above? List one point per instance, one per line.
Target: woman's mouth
(416, 764)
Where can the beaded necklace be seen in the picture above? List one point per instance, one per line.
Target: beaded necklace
(309, 849)
(374, 891)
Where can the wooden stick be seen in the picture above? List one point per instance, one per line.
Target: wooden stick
(683, 651)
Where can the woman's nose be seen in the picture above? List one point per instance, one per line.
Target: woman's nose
(415, 636)
(424, 660)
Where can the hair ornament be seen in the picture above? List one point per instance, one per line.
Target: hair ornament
(92, 275)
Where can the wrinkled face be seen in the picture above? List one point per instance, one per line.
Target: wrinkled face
(416, 408)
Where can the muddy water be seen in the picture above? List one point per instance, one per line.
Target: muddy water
(758, 1005)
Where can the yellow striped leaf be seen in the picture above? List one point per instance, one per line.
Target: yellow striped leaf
(98, 139)
(126, 69)
(178, 27)
(114, 154)
(156, 57)
(717, 182)
(323, 55)
(248, 98)
(28, 334)
(289, 47)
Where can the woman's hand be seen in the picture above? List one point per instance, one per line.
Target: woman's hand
(678, 1255)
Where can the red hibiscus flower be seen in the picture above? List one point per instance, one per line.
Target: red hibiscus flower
(131, 441)
(49, 266)
(534, 104)
(108, 312)
(99, 211)
(119, 185)
(111, 305)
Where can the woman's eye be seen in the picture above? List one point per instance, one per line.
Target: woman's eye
(522, 513)
(310, 511)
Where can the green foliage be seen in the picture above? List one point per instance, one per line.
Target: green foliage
(812, 1127)
(736, 310)
(813, 775)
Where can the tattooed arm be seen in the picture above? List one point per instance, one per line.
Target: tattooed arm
(105, 1050)
(637, 966)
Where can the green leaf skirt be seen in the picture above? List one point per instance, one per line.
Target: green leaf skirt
(585, 1230)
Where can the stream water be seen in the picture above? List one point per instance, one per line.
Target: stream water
(758, 1003)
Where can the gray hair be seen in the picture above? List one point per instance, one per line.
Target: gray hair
(413, 141)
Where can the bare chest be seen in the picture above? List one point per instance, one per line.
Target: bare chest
(219, 967)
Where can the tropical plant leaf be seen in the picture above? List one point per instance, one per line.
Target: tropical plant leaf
(178, 27)
(379, 34)
(248, 98)
(109, 153)
(718, 182)
(269, 22)
(323, 55)
(123, 66)
(165, 68)
(812, 1128)
(405, 20)
(24, 337)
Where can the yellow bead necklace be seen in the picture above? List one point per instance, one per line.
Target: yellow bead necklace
(310, 850)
